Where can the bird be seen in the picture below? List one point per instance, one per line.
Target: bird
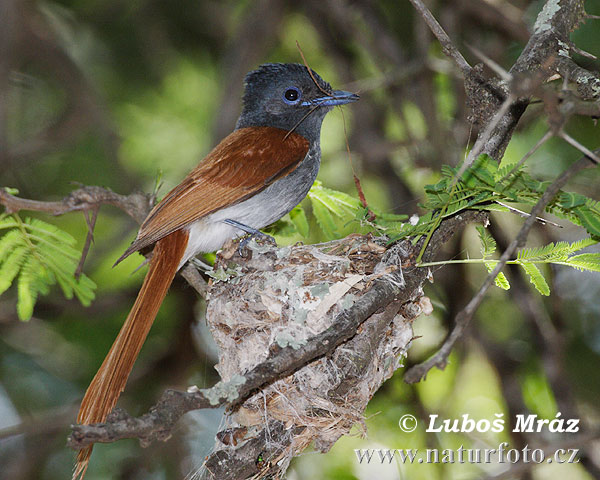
(252, 178)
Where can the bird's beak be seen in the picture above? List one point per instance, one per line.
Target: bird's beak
(337, 97)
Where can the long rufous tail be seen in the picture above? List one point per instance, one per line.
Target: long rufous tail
(106, 387)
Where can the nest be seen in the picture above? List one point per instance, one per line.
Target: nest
(283, 297)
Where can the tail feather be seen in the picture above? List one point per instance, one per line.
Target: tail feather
(106, 387)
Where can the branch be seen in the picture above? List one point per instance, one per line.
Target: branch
(91, 223)
(535, 65)
(542, 56)
(571, 105)
(89, 199)
(191, 275)
(136, 205)
(588, 83)
(254, 455)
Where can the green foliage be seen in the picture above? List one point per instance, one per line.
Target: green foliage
(554, 252)
(536, 278)
(585, 210)
(560, 253)
(488, 244)
(484, 186)
(488, 247)
(500, 281)
(585, 261)
(298, 218)
(331, 207)
(36, 255)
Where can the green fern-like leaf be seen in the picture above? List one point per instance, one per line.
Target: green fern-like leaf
(506, 174)
(298, 218)
(581, 244)
(324, 219)
(331, 205)
(9, 241)
(571, 200)
(500, 281)
(554, 252)
(481, 173)
(589, 219)
(447, 172)
(11, 265)
(488, 244)
(536, 278)
(38, 255)
(585, 261)
(338, 203)
(34, 279)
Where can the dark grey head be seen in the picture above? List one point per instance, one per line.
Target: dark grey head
(284, 95)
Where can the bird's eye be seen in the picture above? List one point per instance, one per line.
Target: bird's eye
(291, 96)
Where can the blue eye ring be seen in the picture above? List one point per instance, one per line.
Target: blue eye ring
(292, 95)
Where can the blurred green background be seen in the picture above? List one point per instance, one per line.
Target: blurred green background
(117, 94)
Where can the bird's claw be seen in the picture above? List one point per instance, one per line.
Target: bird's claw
(255, 236)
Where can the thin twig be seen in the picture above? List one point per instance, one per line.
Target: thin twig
(90, 198)
(310, 72)
(447, 46)
(304, 117)
(483, 138)
(91, 223)
(501, 72)
(359, 189)
(582, 148)
(540, 142)
(479, 144)
(523, 214)
(318, 105)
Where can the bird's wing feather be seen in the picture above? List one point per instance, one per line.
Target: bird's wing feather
(244, 163)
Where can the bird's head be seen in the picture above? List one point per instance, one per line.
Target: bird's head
(287, 96)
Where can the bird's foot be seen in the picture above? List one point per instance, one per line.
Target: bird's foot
(253, 233)
(259, 236)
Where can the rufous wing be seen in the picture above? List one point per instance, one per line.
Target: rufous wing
(244, 163)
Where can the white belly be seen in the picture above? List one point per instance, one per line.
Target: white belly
(210, 233)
